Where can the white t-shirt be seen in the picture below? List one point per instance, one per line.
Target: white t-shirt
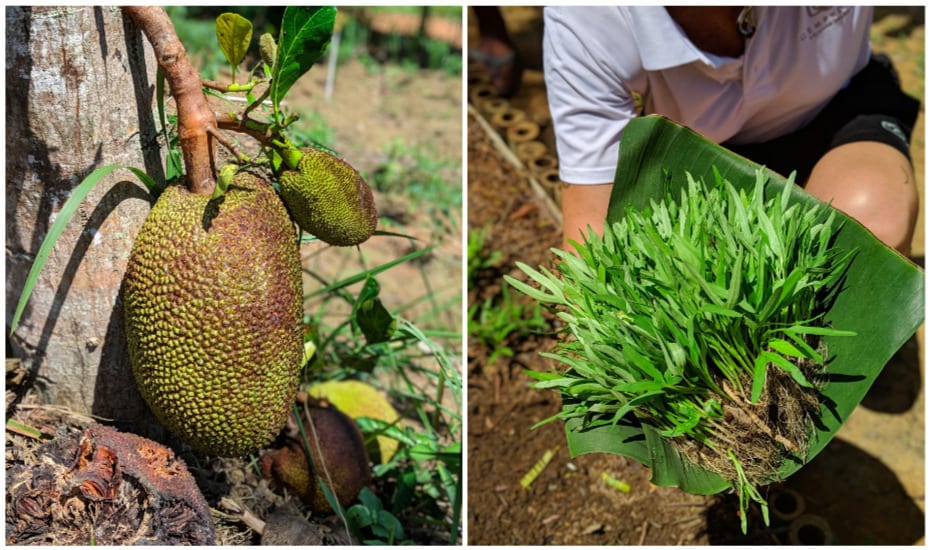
(595, 58)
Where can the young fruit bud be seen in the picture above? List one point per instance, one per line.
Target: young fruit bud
(268, 48)
(328, 198)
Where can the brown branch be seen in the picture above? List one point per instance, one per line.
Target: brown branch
(257, 130)
(241, 158)
(195, 118)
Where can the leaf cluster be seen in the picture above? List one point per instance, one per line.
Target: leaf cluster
(681, 305)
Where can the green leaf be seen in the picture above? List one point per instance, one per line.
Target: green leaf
(173, 164)
(787, 348)
(758, 378)
(882, 299)
(234, 33)
(305, 34)
(226, 175)
(61, 220)
(375, 321)
(788, 367)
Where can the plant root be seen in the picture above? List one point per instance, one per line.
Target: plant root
(763, 434)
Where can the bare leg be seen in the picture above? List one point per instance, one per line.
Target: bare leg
(874, 184)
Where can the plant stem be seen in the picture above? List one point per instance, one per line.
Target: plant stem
(260, 131)
(195, 118)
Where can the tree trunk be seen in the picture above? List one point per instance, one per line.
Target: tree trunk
(80, 86)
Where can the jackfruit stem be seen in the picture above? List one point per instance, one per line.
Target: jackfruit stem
(289, 153)
(195, 118)
(262, 132)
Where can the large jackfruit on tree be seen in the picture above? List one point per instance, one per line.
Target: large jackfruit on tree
(213, 305)
(329, 199)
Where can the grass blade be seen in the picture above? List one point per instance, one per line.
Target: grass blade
(61, 221)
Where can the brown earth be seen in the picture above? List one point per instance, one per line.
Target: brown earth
(866, 487)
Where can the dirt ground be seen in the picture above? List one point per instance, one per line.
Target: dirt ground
(866, 487)
(372, 106)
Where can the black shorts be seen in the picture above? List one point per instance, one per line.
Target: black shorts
(871, 108)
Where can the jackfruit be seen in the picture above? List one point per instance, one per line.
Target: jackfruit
(340, 460)
(213, 304)
(328, 198)
(357, 400)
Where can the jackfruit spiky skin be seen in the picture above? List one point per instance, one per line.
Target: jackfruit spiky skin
(328, 198)
(213, 304)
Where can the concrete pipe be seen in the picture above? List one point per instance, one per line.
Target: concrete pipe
(551, 184)
(550, 179)
(490, 106)
(529, 150)
(809, 530)
(521, 132)
(506, 118)
(481, 92)
(543, 163)
(786, 504)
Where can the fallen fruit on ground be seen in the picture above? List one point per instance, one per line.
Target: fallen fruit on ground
(340, 460)
(106, 487)
(360, 400)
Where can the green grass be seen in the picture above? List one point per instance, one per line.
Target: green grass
(413, 362)
(689, 305)
(479, 257)
(409, 52)
(498, 320)
(428, 182)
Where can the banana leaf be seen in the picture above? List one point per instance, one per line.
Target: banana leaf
(882, 299)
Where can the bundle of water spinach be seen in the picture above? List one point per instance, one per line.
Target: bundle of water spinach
(702, 316)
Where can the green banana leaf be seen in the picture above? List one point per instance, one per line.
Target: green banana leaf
(882, 299)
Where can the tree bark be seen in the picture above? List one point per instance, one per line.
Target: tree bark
(80, 95)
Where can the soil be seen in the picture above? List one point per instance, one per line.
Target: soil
(372, 107)
(866, 487)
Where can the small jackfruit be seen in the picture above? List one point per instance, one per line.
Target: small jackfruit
(328, 198)
(213, 303)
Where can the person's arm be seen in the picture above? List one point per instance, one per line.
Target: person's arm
(588, 53)
(583, 206)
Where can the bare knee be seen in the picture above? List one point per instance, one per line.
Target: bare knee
(872, 183)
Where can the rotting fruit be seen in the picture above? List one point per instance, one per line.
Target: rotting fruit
(357, 400)
(340, 460)
(212, 296)
(329, 199)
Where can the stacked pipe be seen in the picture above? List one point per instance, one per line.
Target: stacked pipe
(788, 507)
(521, 131)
